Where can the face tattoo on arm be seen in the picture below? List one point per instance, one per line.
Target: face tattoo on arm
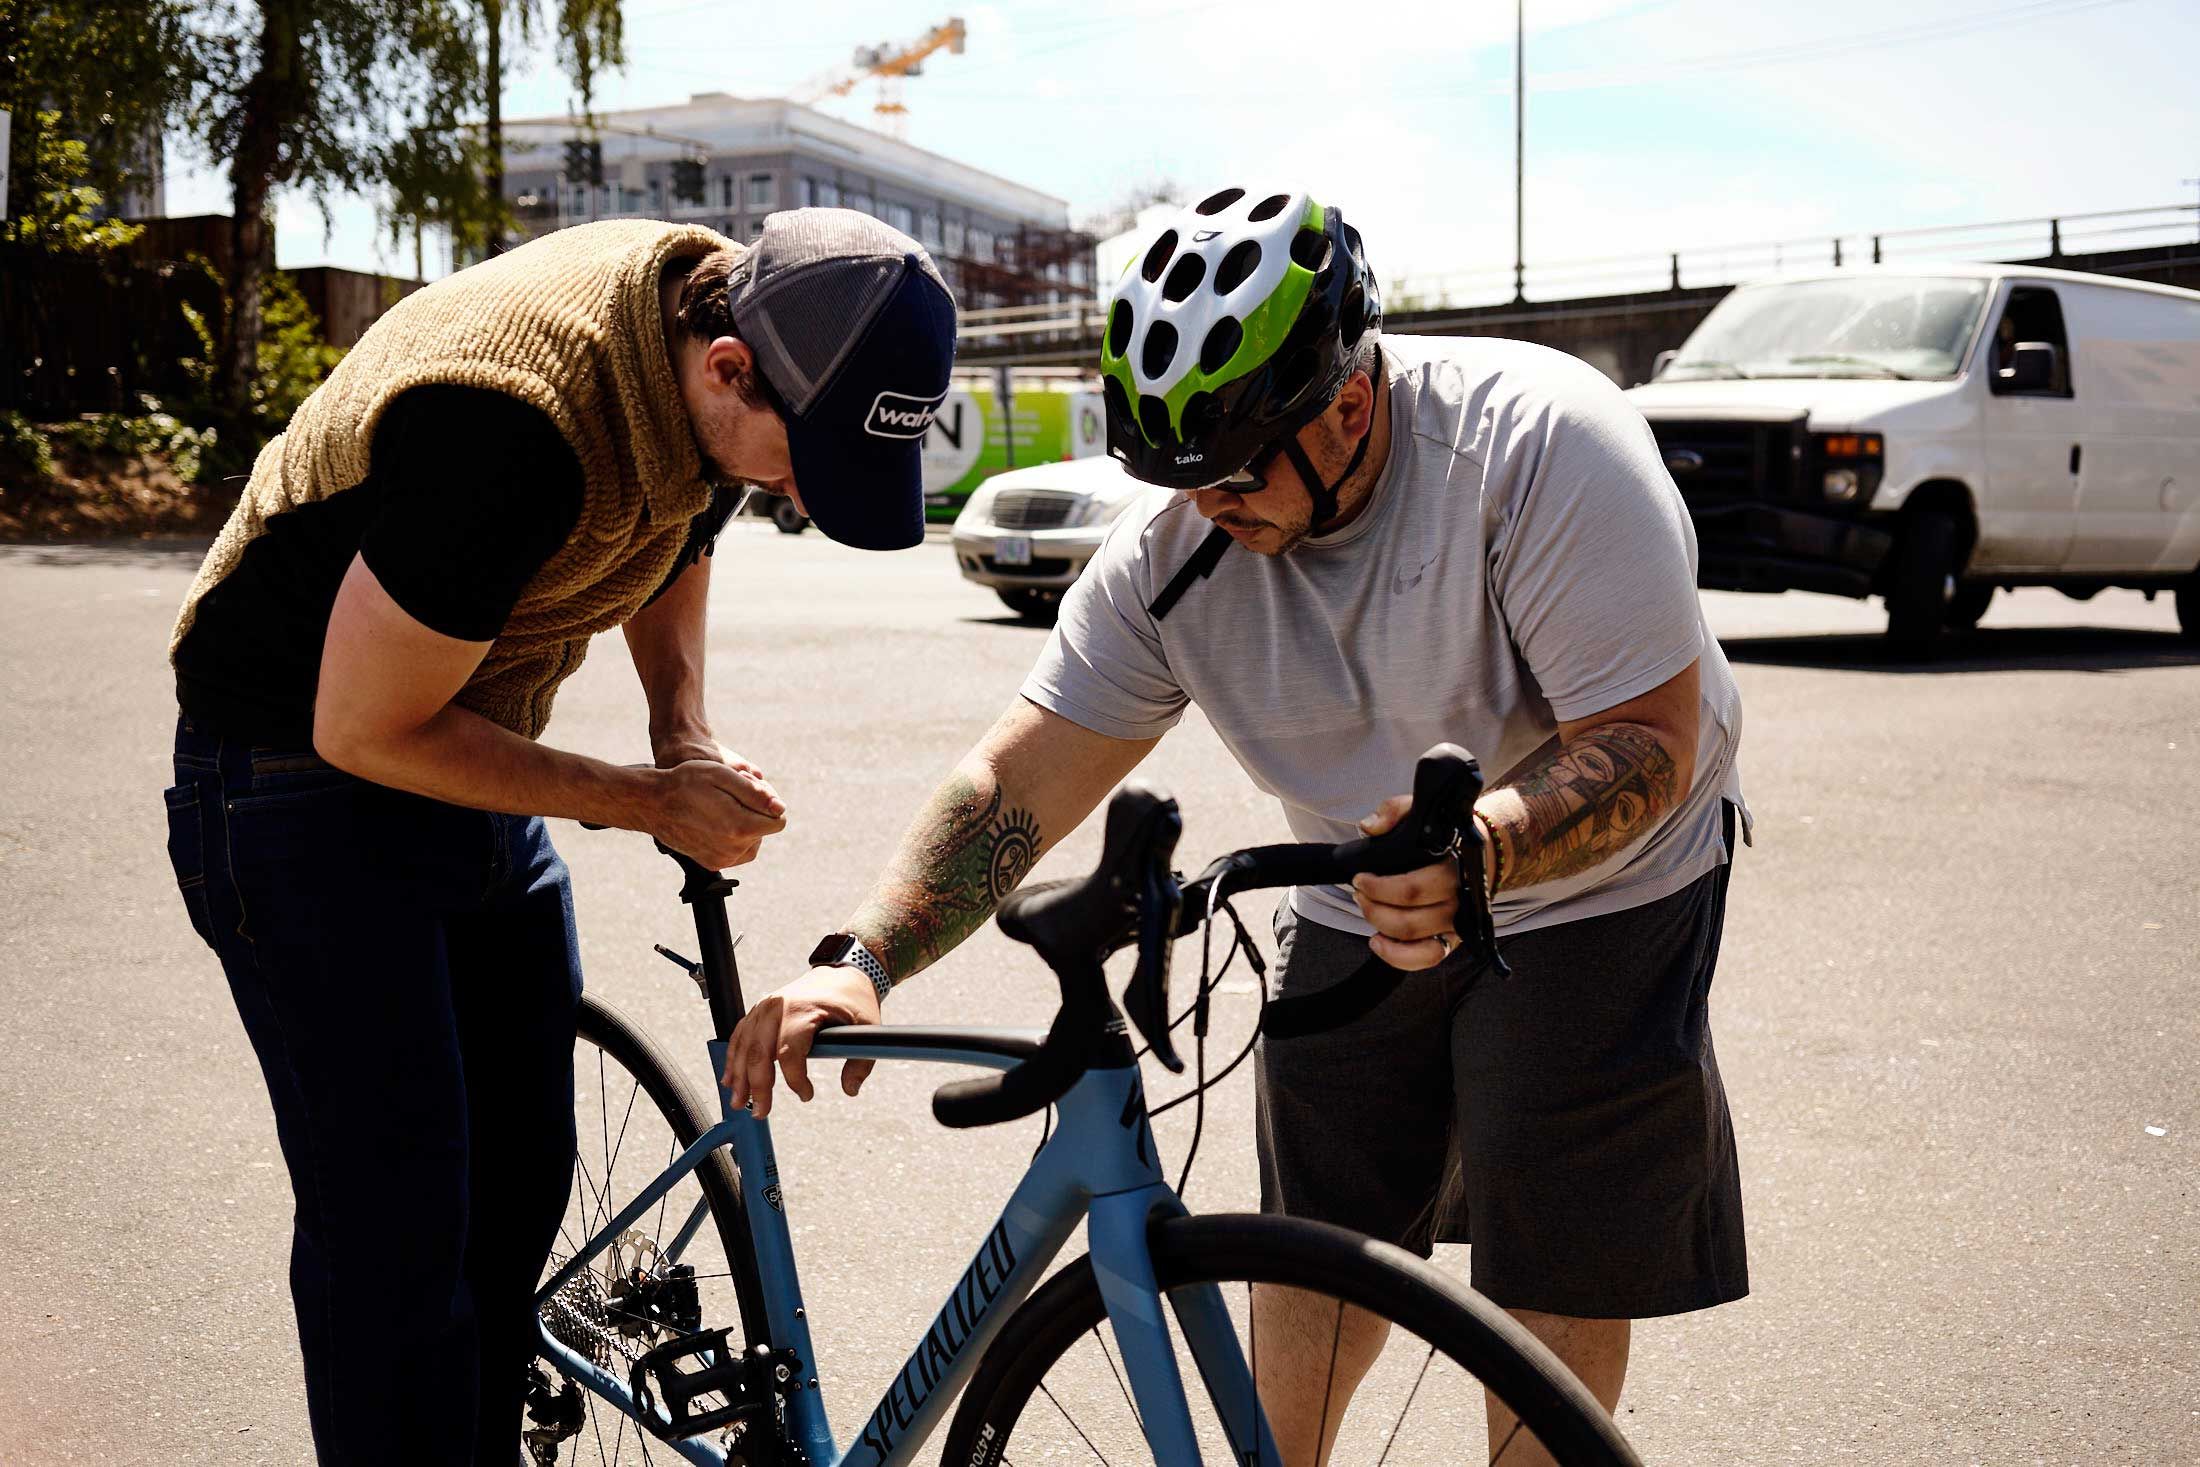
(1586, 802)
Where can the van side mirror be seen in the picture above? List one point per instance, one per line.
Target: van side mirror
(1661, 361)
(2033, 367)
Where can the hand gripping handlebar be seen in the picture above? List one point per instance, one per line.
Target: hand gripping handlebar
(1132, 897)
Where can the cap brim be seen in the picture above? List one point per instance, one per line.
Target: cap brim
(861, 491)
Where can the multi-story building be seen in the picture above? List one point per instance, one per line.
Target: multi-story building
(998, 243)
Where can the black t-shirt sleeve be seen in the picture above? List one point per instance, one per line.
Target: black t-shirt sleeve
(479, 489)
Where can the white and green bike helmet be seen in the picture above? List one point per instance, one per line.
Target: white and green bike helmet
(1236, 328)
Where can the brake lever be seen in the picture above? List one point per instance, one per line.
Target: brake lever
(1160, 902)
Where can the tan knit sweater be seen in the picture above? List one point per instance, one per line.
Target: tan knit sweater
(571, 323)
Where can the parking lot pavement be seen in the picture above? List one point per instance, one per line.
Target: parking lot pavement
(1955, 1010)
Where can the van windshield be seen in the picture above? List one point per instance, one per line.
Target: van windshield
(1869, 326)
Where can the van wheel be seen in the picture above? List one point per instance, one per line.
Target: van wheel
(1920, 584)
(2188, 607)
(1033, 606)
(791, 521)
(1968, 605)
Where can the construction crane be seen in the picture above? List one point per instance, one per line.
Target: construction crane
(889, 64)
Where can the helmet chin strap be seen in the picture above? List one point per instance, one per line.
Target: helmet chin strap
(1325, 494)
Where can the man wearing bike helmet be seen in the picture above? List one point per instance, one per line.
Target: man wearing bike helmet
(520, 456)
(1378, 544)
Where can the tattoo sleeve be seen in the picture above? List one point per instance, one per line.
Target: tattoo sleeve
(966, 851)
(1577, 806)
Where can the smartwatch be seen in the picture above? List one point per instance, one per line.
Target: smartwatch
(842, 951)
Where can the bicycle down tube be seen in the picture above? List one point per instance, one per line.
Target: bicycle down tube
(1100, 1160)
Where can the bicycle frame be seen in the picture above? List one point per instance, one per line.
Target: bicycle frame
(1100, 1165)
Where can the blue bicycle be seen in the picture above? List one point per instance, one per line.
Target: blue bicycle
(671, 1320)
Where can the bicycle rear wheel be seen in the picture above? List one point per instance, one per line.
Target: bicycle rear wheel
(1051, 1388)
(633, 1114)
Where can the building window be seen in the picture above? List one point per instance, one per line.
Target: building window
(900, 216)
(828, 193)
(725, 191)
(859, 201)
(928, 229)
(953, 236)
(981, 244)
(763, 191)
(805, 192)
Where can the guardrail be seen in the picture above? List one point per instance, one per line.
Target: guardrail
(2045, 237)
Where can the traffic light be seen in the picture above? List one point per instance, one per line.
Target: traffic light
(687, 180)
(584, 162)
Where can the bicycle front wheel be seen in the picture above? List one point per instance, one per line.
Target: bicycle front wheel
(1332, 1302)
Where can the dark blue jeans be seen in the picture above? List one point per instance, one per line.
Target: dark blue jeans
(407, 973)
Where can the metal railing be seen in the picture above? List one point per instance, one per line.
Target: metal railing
(2045, 237)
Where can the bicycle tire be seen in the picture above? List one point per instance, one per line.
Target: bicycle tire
(1230, 1248)
(608, 1030)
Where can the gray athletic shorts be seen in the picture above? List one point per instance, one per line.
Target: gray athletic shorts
(1568, 1121)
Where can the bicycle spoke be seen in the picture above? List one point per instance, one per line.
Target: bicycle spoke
(1329, 1387)
(1121, 1384)
(1073, 1426)
(1426, 1361)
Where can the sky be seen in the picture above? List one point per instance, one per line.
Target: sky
(1652, 125)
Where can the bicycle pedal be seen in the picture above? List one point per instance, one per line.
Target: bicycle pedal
(664, 1378)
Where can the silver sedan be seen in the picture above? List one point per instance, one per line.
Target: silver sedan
(1028, 533)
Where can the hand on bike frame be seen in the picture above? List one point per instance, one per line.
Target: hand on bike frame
(779, 1030)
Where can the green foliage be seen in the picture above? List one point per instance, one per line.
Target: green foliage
(154, 433)
(109, 73)
(292, 361)
(25, 453)
(60, 210)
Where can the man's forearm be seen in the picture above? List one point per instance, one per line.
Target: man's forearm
(667, 641)
(1580, 804)
(967, 850)
(461, 758)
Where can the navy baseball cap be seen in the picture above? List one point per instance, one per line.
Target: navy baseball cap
(854, 331)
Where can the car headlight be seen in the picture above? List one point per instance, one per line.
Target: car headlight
(1842, 485)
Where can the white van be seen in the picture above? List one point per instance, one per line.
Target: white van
(1927, 435)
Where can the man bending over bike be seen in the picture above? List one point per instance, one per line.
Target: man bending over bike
(1440, 539)
(510, 461)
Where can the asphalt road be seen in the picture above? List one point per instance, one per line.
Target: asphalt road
(1956, 1013)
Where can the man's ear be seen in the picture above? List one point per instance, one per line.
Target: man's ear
(1356, 405)
(727, 361)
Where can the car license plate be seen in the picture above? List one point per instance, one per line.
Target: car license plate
(1012, 550)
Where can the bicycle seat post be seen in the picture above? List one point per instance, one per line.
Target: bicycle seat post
(705, 892)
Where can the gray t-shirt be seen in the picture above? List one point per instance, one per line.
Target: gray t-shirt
(1524, 559)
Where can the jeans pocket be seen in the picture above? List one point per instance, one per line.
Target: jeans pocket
(187, 855)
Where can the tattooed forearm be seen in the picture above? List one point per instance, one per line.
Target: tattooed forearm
(1577, 806)
(966, 851)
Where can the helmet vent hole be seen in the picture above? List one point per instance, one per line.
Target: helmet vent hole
(1269, 208)
(1153, 416)
(1221, 344)
(1119, 328)
(1354, 323)
(1118, 400)
(1202, 415)
(1309, 248)
(1242, 260)
(1184, 277)
(1160, 349)
(1157, 256)
(1216, 203)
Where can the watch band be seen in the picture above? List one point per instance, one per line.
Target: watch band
(842, 950)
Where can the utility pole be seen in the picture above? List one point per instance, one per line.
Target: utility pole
(1520, 132)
